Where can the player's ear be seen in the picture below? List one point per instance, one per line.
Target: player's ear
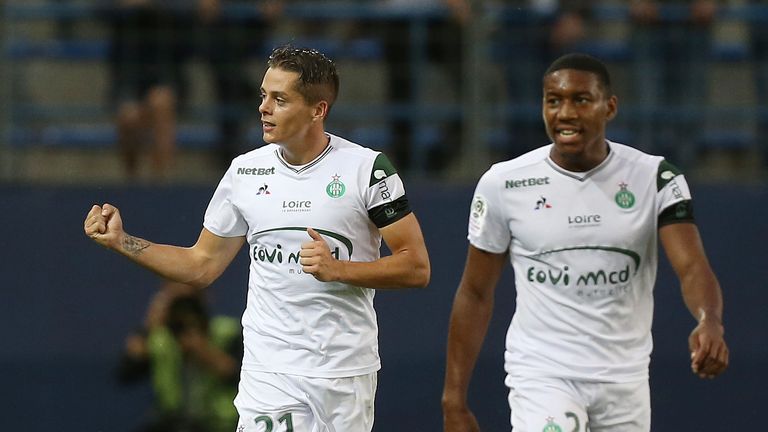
(613, 107)
(321, 111)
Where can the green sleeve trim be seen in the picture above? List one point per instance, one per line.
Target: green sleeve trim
(665, 174)
(382, 168)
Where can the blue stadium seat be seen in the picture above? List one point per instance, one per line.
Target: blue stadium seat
(363, 49)
(377, 138)
(726, 139)
(730, 52)
(426, 138)
(21, 49)
(79, 136)
(607, 50)
(102, 135)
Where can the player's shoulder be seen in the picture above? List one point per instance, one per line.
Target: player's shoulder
(351, 149)
(647, 165)
(630, 155)
(267, 151)
(367, 161)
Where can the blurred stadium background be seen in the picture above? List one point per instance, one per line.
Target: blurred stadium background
(67, 305)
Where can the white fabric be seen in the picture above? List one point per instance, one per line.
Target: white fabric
(584, 265)
(293, 323)
(555, 404)
(270, 402)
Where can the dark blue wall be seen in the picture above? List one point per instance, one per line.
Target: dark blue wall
(66, 305)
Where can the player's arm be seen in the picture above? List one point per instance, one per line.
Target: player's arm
(701, 292)
(471, 313)
(407, 267)
(198, 265)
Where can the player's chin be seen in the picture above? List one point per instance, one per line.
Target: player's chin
(571, 144)
(269, 138)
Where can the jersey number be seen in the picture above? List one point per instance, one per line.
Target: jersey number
(269, 424)
(576, 423)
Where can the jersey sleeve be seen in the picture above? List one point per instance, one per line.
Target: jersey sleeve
(385, 196)
(673, 195)
(222, 217)
(488, 229)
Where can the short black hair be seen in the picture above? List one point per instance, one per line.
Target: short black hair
(318, 79)
(583, 62)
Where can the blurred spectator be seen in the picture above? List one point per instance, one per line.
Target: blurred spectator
(444, 48)
(532, 33)
(193, 361)
(146, 62)
(758, 38)
(228, 41)
(671, 42)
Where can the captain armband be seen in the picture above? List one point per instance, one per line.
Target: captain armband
(679, 212)
(390, 212)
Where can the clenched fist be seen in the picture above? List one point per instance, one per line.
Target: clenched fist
(104, 225)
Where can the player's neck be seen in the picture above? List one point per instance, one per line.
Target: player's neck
(306, 151)
(582, 161)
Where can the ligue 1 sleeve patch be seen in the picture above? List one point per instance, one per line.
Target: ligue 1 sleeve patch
(477, 214)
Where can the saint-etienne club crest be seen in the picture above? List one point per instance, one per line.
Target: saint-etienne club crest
(624, 198)
(551, 426)
(335, 188)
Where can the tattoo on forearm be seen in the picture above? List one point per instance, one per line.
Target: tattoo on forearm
(134, 245)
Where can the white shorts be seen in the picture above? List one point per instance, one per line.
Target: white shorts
(269, 402)
(553, 404)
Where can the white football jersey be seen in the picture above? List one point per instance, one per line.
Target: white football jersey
(293, 323)
(583, 247)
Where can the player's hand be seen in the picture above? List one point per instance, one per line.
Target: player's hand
(459, 420)
(316, 258)
(709, 352)
(104, 225)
